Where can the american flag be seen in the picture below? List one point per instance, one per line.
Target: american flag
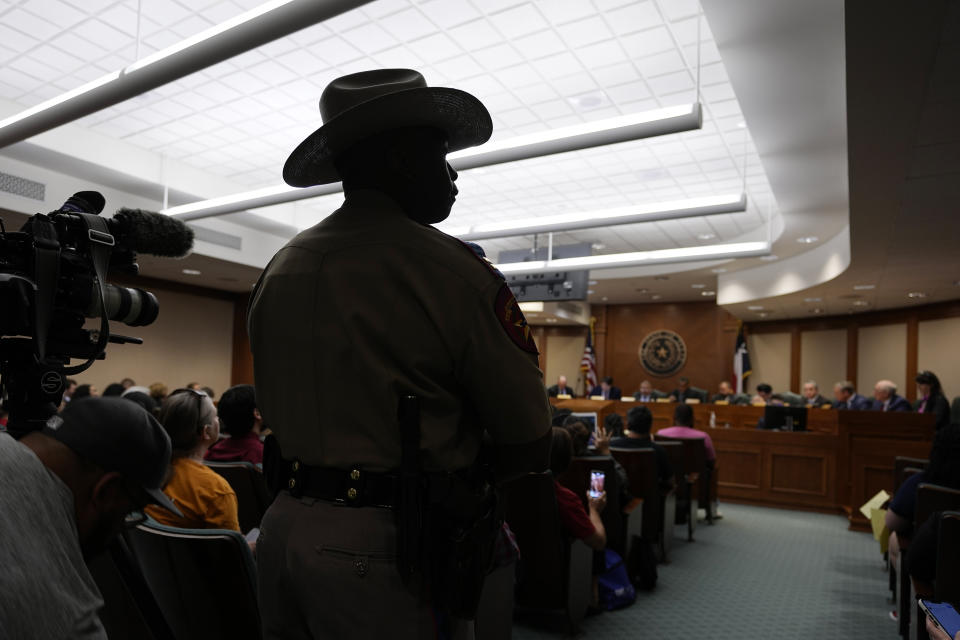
(588, 363)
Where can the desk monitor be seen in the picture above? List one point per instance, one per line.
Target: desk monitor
(785, 418)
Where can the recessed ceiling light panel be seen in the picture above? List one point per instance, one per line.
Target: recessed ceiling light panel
(916, 294)
(864, 287)
(191, 272)
(808, 239)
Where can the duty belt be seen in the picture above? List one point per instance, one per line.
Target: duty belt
(355, 487)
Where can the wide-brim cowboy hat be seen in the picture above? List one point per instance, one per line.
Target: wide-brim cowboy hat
(362, 104)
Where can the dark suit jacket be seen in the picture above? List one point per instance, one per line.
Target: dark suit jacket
(682, 396)
(817, 401)
(554, 390)
(897, 403)
(856, 403)
(639, 396)
(719, 397)
(615, 393)
(938, 406)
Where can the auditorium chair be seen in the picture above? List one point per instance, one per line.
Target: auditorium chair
(703, 394)
(947, 583)
(129, 607)
(930, 498)
(659, 503)
(694, 469)
(793, 399)
(904, 467)
(685, 507)
(618, 519)
(203, 579)
(741, 399)
(248, 483)
(555, 571)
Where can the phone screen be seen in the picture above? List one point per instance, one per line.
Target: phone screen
(944, 615)
(597, 478)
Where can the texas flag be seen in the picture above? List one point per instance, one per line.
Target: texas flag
(741, 361)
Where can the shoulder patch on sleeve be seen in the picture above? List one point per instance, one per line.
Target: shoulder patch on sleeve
(511, 318)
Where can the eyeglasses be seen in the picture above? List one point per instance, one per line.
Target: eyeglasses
(200, 395)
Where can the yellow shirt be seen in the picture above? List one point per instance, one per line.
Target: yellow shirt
(369, 304)
(204, 498)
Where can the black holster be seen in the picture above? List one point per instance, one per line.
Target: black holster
(447, 525)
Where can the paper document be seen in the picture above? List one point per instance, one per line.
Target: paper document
(874, 503)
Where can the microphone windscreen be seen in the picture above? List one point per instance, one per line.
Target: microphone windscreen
(153, 233)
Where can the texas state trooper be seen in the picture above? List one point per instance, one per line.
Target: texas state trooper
(372, 329)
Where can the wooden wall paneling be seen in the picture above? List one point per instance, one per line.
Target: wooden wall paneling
(795, 350)
(741, 468)
(540, 339)
(852, 354)
(600, 345)
(913, 339)
(707, 332)
(934, 311)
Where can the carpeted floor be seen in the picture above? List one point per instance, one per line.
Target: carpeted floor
(758, 573)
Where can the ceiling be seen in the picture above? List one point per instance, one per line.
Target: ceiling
(771, 79)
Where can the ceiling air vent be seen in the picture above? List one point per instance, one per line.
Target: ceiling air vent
(22, 187)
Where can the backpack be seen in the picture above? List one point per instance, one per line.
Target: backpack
(616, 590)
(642, 564)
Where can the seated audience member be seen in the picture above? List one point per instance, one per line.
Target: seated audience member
(847, 397)
(575, 520)
(158, 391)
(84, 391)
(639, 421)
(203, 496)
(127, 383)
(886, 398)
(149, 404)
(558, 416)
(71, 386)
(613, 425)
(683, 428)
(113, 390)
(209, 392)
(241, 420)
(764, 393)
(607, 390)
(811, 394)
(931, 398)
(560, 389)
(724, 392)
(67, 491)
(943, 470)
(646, 393)
(684, 392)
(580, 437)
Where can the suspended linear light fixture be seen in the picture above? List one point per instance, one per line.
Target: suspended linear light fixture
(639, 258)
(573, 138)
(237, 35)
(673, 210)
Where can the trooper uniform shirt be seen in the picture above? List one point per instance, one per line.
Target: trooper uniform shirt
(368, 305)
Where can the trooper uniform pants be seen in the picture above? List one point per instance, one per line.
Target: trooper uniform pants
(329, 571)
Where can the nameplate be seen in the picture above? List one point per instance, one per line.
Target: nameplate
(564, 396)
(692, 401)
(596, 397)
(722, 402)
(628, 399)
(664, 400)
(759, 404)
(826, 406)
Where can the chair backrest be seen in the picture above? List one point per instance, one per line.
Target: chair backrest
(577, 479)
(793, 399)
(129, 607)
(932, 498)
(694, 453)
(203, 579)
(900, 466)
(530, 508)
(674, 449)
(641, 467)
(248, 483)
(740, 398)
(947, 585)
(703, 394)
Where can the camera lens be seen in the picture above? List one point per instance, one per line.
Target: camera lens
(133, 307)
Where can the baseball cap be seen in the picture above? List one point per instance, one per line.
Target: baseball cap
(117, 435)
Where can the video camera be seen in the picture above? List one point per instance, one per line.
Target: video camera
(52, 277)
